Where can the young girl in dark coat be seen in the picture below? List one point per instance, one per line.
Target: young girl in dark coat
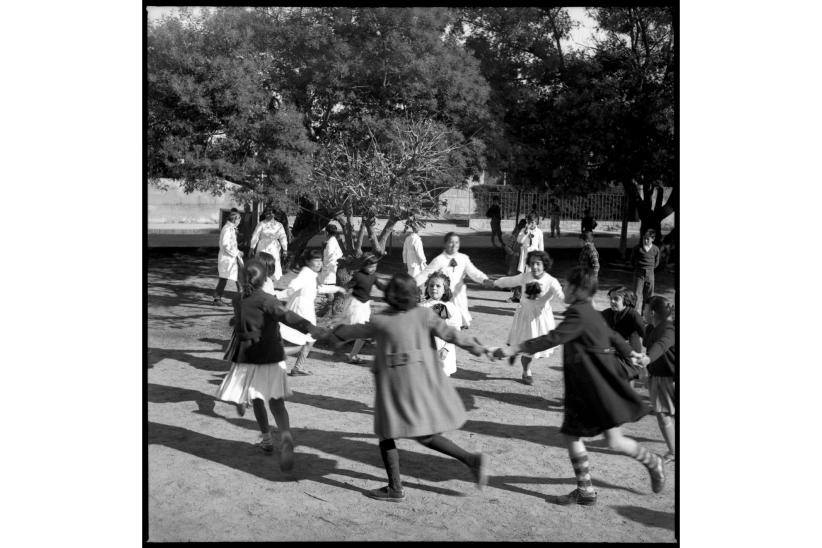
(414, 398)
(258, 361)
(598, 398)
(660, 342)
(623, 318)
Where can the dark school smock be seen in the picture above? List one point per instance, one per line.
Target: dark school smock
(413, 396)
(597, 395)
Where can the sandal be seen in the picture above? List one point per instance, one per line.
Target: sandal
(356, 360)
(528, 379)
(577, 496)
(266, 445)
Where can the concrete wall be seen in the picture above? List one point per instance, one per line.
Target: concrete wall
(174, 206)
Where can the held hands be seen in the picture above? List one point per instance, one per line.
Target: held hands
(501, 352)
(321, 333)
(639, 359)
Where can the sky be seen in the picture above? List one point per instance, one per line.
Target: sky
(580, 36)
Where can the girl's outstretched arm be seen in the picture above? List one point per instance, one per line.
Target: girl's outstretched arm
(441, 329)
(350, 332)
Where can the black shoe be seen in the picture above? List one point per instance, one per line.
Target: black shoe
(577, 496)
(479, 470)
(386, 494)
(240, 408)
(299, 372)
(528, 379)
(657, 474)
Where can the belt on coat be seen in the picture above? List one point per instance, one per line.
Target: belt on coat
(404, 358)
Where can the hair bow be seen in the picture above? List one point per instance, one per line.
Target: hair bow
(532, 290)
(441, 310)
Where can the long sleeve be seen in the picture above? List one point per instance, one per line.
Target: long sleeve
(228, 242)
(282, 237)
(569, 329)
(359, 331)
(657, 255)
(279, 313)
(522, 238)
(329, 288)
(441, 329)
(255, 236)
(556, 290)
(509, 281)
(473, 272)
(662, 344)
(620, 344)
(419, 250)
(594, 259)
(433, 266)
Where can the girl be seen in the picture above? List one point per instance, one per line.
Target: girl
(438, 298)
(413, 397)
(331, 254)
(512, 251)
(257, 371)
(358, 305)
(455, 265)
(598, 399)
(660, 340)
(529, 240)
(300, 294)
(269, 237)
(272, 267)
(227, 257)
(589, 256)
(623, 318)
(534, 316)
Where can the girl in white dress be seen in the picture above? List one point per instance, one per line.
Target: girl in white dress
(301, 293)
(331, 254)
(455, 265)
(438, 298)
(269, 237)
(227, 257)
(534, 316)
(529, 240)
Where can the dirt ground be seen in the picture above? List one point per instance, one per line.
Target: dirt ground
(207, 481)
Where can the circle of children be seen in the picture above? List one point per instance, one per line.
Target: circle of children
(427, 316)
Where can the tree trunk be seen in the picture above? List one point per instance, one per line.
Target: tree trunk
(623, 234)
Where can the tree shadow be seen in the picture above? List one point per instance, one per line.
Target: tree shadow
(468, 396)
(647, 517)
(156, 355)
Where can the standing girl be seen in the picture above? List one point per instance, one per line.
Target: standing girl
(332, 252)
(534, 316)
(269, 237)
(512, 250)
(623, 318)
(455, 265)
(414, 399)
(529, 240)
(357, 308)
(598, 398)
(660, 341)
(257, 371)
(227, 257)
(301, 293)
(438, 298)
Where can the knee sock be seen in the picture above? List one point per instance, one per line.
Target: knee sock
(580, 464)
(391, 460)
(281, 418)
(447, 447)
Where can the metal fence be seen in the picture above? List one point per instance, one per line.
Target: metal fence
(603, 206)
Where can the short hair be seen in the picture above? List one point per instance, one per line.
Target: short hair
(311, 254)
(401, 292)
(649, 232)
(268, 214)
(495, 198)
(448, 236)
(628, 296)
(543, 256)
(587, 210)
(269, 261)
(233, 216)
(587, 236)
(332, 230)
(583, 280)
(530, 219)
(660, 306)
(255, 275)
(446, 295)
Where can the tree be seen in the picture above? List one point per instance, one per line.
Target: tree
(213, 116)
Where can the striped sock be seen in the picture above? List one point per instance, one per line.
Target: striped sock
(650, 460)
(580, 464)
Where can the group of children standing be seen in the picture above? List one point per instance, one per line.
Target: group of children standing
(415, 353)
